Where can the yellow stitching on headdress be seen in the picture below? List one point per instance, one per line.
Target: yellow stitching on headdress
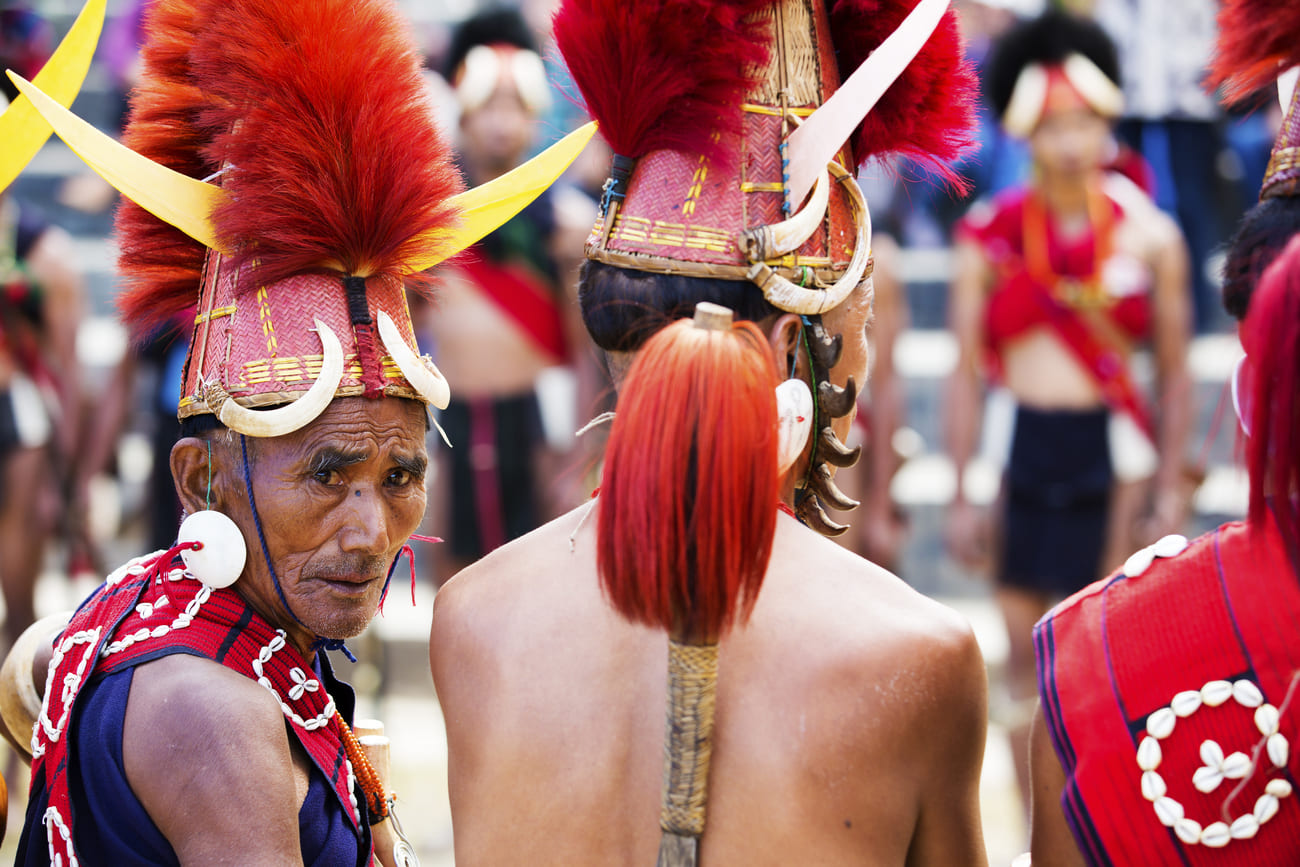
(268, 326)
(215, 314)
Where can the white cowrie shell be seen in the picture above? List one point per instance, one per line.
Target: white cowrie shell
(1211, 753)
(1188, 830)
(1160, 724)
(1278, 750)
(1236, 766)
(1149, 754)
(1216, 692)
(1245, 827)
(1207, 779)
(1169, 546)
(1265, 808)
(1216, 835)
(1186, 703)
(1278, 788)
(1153, 785)
(1168, 811)
(1138, 562)
(1266, 720)
(1247, 694)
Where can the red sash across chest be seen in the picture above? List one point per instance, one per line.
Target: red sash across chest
(148, 609)
(1157, 693)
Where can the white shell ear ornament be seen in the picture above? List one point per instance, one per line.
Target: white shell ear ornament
(794, 418)
(215, 552)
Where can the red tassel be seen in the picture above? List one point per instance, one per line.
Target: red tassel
(1271, 336)
(928, 113)
(689, 492)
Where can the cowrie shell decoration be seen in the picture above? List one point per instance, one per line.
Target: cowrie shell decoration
(1216, 765)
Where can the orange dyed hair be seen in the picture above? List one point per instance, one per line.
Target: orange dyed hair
(689, 493)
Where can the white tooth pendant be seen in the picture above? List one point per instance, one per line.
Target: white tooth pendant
(220, 559)
(794, 418)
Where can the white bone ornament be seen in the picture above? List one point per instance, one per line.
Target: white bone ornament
(794, 416)
(220, 561)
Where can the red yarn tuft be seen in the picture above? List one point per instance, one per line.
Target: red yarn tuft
(318, 115)
(928, 113)
(670, 74)
(1257, 41)
(690, 486)
(1271, 336)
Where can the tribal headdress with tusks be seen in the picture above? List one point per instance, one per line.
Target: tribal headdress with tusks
(1054, 59)
(1259, 41)
(688, 504)
(288, 179)
(736, 145)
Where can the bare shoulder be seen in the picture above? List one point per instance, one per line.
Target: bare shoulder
(204, 747)
(528, 574)
(867, 620)
(1142, 217)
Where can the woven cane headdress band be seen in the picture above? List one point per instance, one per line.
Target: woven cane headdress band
(288, 188)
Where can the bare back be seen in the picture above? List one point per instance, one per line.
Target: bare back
(850, 718)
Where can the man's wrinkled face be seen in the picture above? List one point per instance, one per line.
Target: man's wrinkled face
(337, 500)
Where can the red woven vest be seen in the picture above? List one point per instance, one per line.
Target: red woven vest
(1151, 684)
(148, 609)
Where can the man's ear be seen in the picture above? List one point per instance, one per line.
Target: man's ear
(785, 339)
(196, 472)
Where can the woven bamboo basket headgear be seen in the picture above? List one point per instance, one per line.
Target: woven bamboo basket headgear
(288, 186)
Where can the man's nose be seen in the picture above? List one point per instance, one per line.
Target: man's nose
(365, 525)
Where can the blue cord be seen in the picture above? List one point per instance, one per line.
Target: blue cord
(320, 643)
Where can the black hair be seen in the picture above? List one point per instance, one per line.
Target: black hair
(496, 25)
(1048, 39)
(1262, 234)
(623, 308)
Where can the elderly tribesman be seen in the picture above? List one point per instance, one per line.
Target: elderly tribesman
(191, 715)
(819, 711)
(1168, 725)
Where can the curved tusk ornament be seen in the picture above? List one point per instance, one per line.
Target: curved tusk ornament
(285, 419)
(423, 375)
(787, 296)
(769, 242)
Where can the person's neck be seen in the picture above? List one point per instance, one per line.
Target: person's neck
(1064, 197)
(477, 174)
(273, 613)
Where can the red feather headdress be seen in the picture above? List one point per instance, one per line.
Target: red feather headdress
(315, 115)
(667, 75)
(928, 113)
(1258, 39)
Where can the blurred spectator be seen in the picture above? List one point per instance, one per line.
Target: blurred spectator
(1055, 284)
(40, 310)
(1164, 46)
(506, 309)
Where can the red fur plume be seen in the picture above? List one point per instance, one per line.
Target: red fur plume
(689, 494)
(669, 74)
(161, 264)
(1271, 335)
(317, 112)
(1257, 40)
(928, 114)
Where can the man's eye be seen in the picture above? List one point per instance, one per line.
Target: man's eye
(399, 478)
(326, 477)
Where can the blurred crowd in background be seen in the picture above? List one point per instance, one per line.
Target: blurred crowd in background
(86, 433)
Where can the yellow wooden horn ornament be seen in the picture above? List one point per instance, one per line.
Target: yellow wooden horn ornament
(488, 206)
(22, 131)
(188, 203)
